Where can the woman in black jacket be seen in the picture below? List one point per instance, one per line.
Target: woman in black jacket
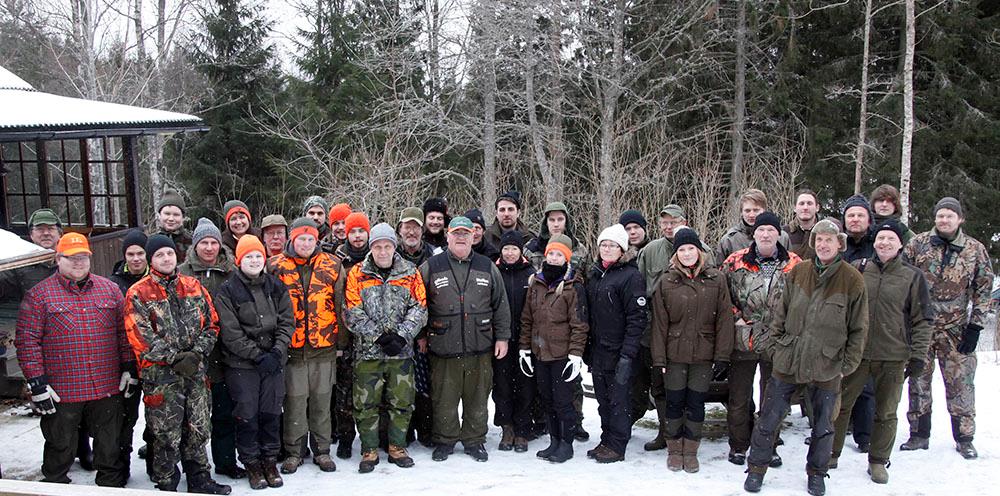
(256, 321)
(616, 297)
(513, 391)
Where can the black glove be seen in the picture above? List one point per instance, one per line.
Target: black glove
(720, 371)
(268, 362)
(914, 367)
(186, 363)
(970, 338)
(43, 396)
(623, 370)
(392, 344)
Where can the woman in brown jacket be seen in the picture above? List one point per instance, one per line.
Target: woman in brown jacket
(554, 330)
(692, 339)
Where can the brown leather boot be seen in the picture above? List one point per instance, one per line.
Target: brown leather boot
(506, 438)
(675, 460)
(270, 465)
(690, 451)
(399, 457)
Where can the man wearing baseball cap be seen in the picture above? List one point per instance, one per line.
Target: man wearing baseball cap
(68, 315)
(274, 234)
(468, 324)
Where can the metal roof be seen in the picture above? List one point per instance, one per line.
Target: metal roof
(31, 114)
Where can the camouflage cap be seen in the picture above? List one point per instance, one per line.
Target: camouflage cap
(673, 210)
(412, 213)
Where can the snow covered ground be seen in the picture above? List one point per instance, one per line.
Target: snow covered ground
(938, 471)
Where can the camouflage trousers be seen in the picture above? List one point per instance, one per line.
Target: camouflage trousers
(178, 416)
(959, 373)
(383, 383)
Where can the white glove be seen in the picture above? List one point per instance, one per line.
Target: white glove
(574, 365)
(525, 362)
(128, 384)
(45, 403)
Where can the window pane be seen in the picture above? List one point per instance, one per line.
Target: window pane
(120, 213)
(14, 178)
(100, 206)
(58, 182)
(53, 150)
(117, 179)
(75, 176)
(97, 183)
(28, 151)
(71, 149)
(15, 205)
(77, 212)
(30, 172)
(10, 152)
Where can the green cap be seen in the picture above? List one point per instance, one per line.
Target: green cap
(412, 213)
(460, 223)
(44, 217)
(673, 210)
(555, 207)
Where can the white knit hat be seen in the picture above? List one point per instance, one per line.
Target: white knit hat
(615, 233)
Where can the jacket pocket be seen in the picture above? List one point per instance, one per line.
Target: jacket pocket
(438, 327)
(484, 333)
(783, 354)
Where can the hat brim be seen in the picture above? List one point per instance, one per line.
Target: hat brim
(69, 252)
(419, 221)
(459, 228)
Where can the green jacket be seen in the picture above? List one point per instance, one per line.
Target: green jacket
(958, 275)
(255, 316)
(211, 277)
(818, 331)
(899, 311)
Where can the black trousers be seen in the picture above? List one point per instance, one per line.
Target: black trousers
(863, 414)
(557, 395)
(647, 383)
(513, 394)
(61, 431)
(614, 407)
(223, 427)
(777, 398)
(257, 412)
(130, 415)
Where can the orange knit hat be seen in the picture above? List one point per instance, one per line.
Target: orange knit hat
(561, 243)
(357, 219)
(247, 244)
(339, 212)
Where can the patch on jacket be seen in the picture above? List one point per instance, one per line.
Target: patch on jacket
(482, 281)
(641, 301)
(441, 282)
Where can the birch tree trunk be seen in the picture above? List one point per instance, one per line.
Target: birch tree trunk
(610, 92)
(739, 108)
(904, 168)
(859, 151)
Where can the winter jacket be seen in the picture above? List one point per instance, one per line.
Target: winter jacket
(739, 237)
(211, 277)
(616, 304)
(181, 239)
(515, 282)
(310, 282)
(755, 293)
(899, 310)
(466, 304)
(255, 317)
(654, 259)
(229, 241)
(798, 239)
(818, 330)
(426, 251)
(123, 278)
(74, 336)
(554, 320)
(859, 248)
(495, 232)
(377, 305)
(694, 318)
(959, 275)
(165, 315)
(486, 249)
(880, 219)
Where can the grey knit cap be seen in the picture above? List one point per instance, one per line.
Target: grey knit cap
(382, 231)
(205, 229)
(951, 204)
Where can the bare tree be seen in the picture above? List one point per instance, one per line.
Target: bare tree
(859, 151)
(904, 169)
(739, 106)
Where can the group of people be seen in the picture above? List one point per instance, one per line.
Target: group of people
(276, 342)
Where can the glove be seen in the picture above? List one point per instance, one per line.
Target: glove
(623, 370)
(970, 338)
(527, 368)
(392, 344)
(720, 371)
(128, 385)
(43, 396)
(268, 363)
(186, 363)
(914, 367)
(574, 366)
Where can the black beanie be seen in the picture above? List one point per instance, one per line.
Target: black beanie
(156, 242)
(632, 217)
(686, 236)
(890, 224)
(767, 218)
(476, 217)
(135, 237)
(513, 238)
(855, 201)
(512, 196)
(436, 204)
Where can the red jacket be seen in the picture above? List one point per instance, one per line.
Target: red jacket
(75, 336)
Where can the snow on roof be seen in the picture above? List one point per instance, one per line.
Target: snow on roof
(26, 110)
(16, 252)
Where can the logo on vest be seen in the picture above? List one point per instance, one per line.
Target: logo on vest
(641, 301)
(441, 282)
(481, 281)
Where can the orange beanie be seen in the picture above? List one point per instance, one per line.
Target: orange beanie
(339, 212)
(247, 244)
(357, 219)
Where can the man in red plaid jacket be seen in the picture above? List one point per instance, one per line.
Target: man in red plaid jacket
(72, 347)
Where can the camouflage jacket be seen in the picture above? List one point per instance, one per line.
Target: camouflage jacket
(755, 294)
(375, 306)
(739, 237)
(165, 315)
(313, 304)
(958, 275)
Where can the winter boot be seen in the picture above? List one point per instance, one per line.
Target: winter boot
(344, 449)
(270, 465)
(608, 455)
(399, 457)
(233, 471)
(675, 454)
(659, 442)
(755, 478)
(737, 457)
(142, 451)
(690, 451)
(967, 450)
(565, 449)
(580, 434)
(815, 485)
(325, 462)
(506, 438)
(291, 464)
(477, 452)
(202, 483)
(915, 443)
(369, 458)
(879, 473)
(520, 444)
(170, 484)
(554, 443)
(776, 461)
(255, 475)
(442, 452)
(593, 451)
